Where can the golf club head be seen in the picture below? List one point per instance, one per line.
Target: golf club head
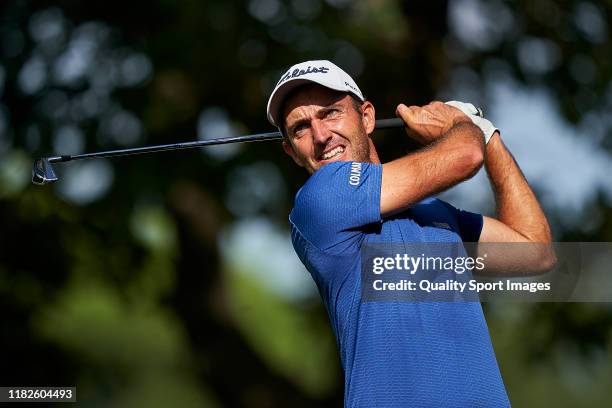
(42, 172)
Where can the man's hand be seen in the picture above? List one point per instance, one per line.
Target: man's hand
(430, 122)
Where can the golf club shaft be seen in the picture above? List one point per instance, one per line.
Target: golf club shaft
(380, 124)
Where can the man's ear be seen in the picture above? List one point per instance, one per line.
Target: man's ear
(289, 150)
(368, 117)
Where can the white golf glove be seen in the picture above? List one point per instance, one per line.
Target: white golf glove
(475, 115)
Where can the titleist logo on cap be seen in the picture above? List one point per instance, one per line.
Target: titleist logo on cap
(322, 72)
(299, 72)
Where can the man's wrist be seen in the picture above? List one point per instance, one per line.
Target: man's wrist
(457, 120)
(468, 130)
(494, 148)
(474, 115)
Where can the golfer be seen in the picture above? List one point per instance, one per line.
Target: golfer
(397, 354)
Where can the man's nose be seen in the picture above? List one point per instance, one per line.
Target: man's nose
(320, 132)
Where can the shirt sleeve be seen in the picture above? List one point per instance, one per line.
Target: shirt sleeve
(336, 204)
(470, 224)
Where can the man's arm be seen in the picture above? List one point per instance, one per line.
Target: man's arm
(519, 219)
(454, 152)
(519, 215)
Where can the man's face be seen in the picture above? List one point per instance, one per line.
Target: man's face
(323, 126)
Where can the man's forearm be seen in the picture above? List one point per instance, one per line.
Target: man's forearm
(446, 162)
(517, 205)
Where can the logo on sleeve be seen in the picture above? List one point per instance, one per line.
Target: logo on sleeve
(355, 175)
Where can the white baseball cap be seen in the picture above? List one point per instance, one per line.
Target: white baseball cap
(321, 72)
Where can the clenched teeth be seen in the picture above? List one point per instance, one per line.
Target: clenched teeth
(333, 153)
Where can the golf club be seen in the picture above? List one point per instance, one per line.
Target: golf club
(42, 172)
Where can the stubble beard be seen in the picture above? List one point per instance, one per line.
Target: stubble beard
(362, 146)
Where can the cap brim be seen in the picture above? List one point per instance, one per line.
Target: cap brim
(278, 96)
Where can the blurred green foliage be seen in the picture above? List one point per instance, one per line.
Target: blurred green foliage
(293, 341)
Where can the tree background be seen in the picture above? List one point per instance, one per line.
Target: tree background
(169, 279)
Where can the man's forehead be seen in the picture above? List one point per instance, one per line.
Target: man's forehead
(311, 95)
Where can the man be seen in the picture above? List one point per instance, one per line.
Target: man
(397, 354)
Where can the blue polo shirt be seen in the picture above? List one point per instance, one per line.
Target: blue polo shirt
(394, 353)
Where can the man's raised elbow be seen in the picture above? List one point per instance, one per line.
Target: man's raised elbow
(541, 240)
(548, 258)
(550, 261)
(542, 258)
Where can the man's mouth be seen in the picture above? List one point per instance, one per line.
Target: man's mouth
(333, 153)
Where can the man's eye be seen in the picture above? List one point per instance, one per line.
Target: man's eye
(298, 129)
(331, 113)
